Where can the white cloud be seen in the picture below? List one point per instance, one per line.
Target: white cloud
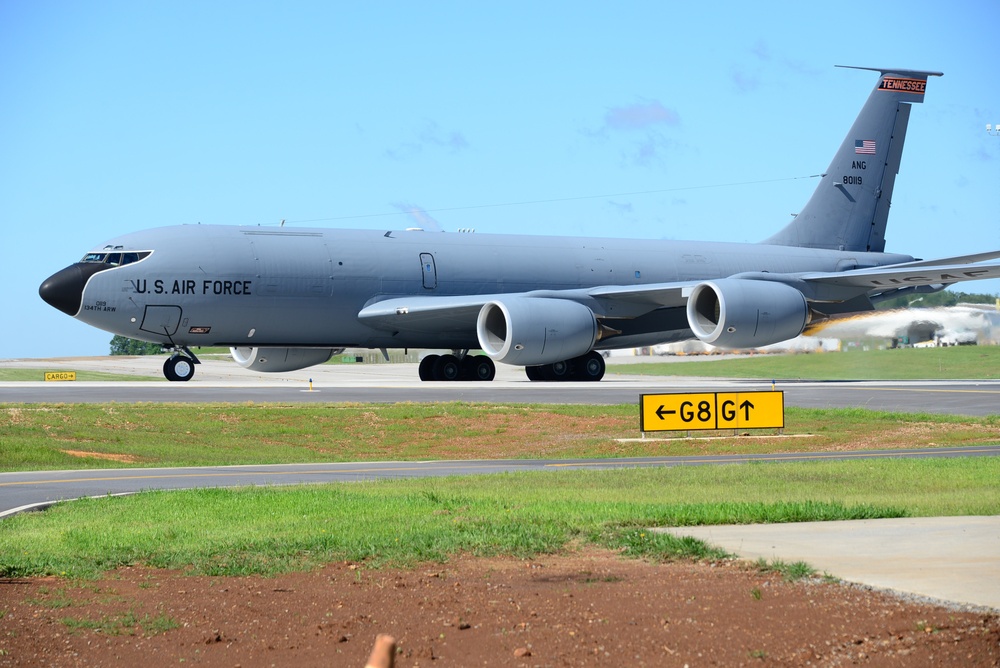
(429, 136)
(419, 216)
(640, 116)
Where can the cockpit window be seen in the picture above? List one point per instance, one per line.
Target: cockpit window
(115, 259)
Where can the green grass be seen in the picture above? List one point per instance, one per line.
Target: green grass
(271, 529)
(967, 362)
(33, 374)
(39, 437)
(123, 624)
(796, 570)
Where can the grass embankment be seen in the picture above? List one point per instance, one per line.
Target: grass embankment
(400, 522)
(967, 362)
(38, 437)
(266, 530)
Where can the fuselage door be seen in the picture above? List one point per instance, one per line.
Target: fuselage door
(429, 271)
(162, 320)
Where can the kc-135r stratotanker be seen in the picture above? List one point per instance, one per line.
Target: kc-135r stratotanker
(288, 298)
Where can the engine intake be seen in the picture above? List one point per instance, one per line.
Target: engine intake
(740, 313)
(272, 360)
(528, 331)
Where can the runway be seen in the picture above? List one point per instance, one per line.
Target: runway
(223, 381)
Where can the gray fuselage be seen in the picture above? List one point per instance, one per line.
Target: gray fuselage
(204, 285)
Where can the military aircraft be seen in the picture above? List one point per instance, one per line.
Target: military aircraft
(285, 298)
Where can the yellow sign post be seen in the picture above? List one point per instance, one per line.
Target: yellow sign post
(60, 375)
(712, 410)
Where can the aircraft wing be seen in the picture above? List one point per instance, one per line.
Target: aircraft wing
(820, 286)
(643, 297)
(960, 259)
(425, 314)
(458, 314)
(931, 272)
(454, 314)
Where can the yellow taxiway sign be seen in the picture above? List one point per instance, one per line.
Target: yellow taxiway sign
(712, 410)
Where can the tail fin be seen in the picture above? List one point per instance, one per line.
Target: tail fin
(850, 207)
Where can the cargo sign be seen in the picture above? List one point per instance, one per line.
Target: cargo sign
(60, 375)
(712, 410)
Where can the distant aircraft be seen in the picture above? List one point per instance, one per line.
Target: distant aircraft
(286, 298)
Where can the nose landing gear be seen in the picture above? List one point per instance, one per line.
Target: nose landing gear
(180, 365)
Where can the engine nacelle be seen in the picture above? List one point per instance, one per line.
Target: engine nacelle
(741, 313)
(271, 360)
(527, 331)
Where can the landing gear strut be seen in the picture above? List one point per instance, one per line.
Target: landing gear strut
(589, 367)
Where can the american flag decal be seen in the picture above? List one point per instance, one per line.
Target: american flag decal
(864, 146)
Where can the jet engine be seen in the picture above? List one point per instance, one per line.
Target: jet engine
(740, 313)
(280, 359)
(528, 331)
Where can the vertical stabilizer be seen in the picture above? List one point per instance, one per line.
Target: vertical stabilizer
(850, 207)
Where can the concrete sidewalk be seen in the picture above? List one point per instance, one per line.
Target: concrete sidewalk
(954, 559)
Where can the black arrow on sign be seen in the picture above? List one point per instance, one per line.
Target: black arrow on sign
(746, 406)
(660, 413)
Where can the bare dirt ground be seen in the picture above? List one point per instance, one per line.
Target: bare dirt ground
(580, 608)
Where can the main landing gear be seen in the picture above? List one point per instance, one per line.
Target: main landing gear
(589, 367)
(457, 367)
(180, 365)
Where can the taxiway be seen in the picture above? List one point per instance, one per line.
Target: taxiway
(223, 381)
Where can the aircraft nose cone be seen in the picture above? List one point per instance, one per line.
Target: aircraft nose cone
(64, 289)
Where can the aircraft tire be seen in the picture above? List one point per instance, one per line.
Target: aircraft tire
(178, 368)
(447, 367)
(426, 368)
(533, 373)
(486, 370)
(559, 371)
(478, 367)
(590, 367)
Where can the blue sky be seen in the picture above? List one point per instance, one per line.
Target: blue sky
(642, 119)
